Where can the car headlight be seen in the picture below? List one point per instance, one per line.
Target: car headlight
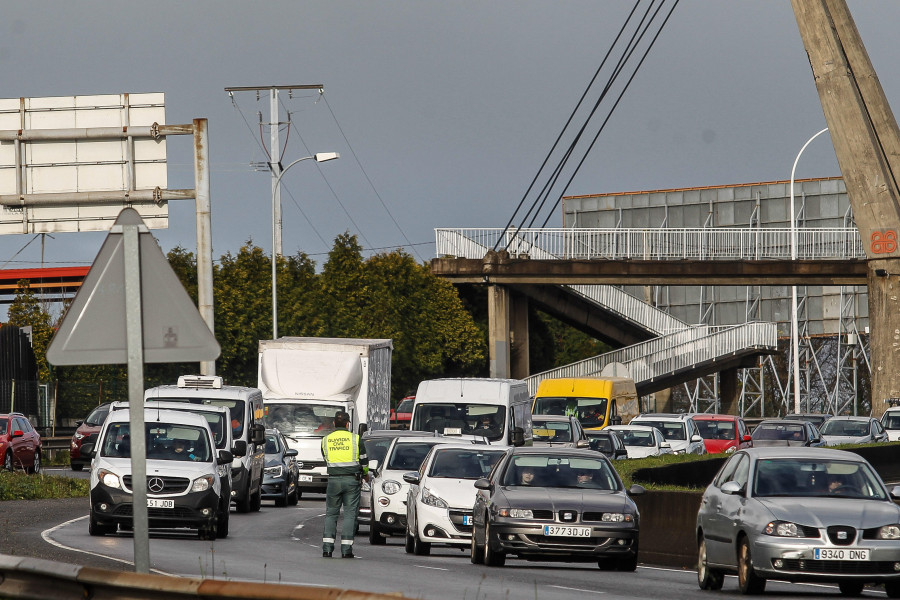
(78, 436)
(617, 518)
(889, 532)
(678, 451)
(730, 449)
(201, 484)
(516, 513)
(783, 529)
(390, 487)
(430, 499)
(109, 479)
(275, 471)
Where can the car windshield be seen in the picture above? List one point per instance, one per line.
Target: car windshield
(551, 431)
(891, 420)
(555, 471)
(779, 431)
(376, 448)
(273, 444)
(408, 456)
(816, 477)
(301, 419)
(236, 409)
(848, 427)
(216, 423)
(601, 442)
(671, 430)
(591, 412)
(165, 441)
(97, 416)
(456, 463)
(715, 430)
(405, 407)
(485, 420)
(637, 437)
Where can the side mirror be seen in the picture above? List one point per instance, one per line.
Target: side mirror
(665, 445)
(257, 434)
(621, 452)
(483, 484)
(225, 457)
(636, 490)
(732, 488)
(18, 433)
(582, 444)
(412, 477)
(747, 438)
(290, 452)
(78, 423)
(895, 491)
(518, 436)
(373, 464)
(239, 448)
(362, 428)
(615, 420)
(696, 438)
(87, 449)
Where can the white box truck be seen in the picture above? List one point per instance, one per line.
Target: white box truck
(305, 381)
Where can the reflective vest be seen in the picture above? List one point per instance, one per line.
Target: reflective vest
(341, 449)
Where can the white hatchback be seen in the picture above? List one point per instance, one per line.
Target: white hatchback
(442, 494)
(679, 430)
(642, 441)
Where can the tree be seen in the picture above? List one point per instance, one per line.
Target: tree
(25, 311)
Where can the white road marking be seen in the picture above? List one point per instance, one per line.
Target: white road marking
(47, 532)
(562, 587)
(434, 568)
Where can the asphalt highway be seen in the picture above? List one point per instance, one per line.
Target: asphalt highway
(284, 545)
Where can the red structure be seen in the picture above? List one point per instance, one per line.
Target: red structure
(54, 284)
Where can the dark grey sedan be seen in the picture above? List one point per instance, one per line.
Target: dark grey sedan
(786, 432)
(557, 504)
(799, 514)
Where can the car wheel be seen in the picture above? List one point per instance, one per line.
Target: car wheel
(707, 579)
(95, 528)
(892, 588)
(222, 523)
(207, 532)
(294, 496)
(627, 564)
(77, 466)
(243, 504)
(420, 548)
(475, 554)
(748, 581)
(851, 588)
(256, 501)
(410, 542)
(283, 499)
(492, 558)
(606, 564)
(375, 537)
(8, 462)
(36, 465)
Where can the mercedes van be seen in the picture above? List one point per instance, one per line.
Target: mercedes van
(245, 406)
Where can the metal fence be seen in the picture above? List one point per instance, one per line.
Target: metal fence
(719, 243)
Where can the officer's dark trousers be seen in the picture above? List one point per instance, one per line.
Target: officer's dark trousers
(343, 490)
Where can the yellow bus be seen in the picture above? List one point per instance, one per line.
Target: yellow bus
(595, 401)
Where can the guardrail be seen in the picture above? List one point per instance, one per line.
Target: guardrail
(35, 578)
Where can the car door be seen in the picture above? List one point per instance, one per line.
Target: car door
(23, 446)
(878, 432)
(720, 510)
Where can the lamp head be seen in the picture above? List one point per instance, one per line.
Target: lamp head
(324, 156)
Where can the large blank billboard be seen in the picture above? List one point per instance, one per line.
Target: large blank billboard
(66, 166)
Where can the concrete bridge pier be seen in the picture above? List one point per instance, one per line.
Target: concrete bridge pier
(507, 333)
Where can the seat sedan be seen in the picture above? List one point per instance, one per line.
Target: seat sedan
(439, 502)
(642, 441)
(557, 504)
(557, 430)
(786, 432)
(799, 514)
(852, 430)
(607, 442)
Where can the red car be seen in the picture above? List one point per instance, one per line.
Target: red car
(723, 433)
(402, 415)
(20, 444)
(87, 431)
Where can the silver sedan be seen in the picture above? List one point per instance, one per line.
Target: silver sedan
(799, 514)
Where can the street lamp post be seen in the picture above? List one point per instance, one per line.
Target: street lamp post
(795, 336)
(319, 157)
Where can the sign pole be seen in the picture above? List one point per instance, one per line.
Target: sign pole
(135, 353)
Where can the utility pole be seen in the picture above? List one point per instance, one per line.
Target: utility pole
(275, 166)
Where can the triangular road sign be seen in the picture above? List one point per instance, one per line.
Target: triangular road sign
(93, 329)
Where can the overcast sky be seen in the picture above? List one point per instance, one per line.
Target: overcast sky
(442, 111)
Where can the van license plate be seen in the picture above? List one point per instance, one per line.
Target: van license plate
(157, 503)
(565, 531)
(842, 554)
(306, 478)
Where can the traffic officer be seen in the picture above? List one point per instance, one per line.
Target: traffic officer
(345, 455)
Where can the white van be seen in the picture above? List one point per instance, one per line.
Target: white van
(498, 409)
(183, 485)
(248, 432)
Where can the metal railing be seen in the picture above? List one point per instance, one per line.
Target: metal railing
(672, 353)
(719, 243)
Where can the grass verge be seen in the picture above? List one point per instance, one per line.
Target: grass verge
(626, 468)
(20, 486)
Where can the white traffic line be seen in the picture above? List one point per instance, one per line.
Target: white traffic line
(47, 533)
(433, 568)
(562, 587)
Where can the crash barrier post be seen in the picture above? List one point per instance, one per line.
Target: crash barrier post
(38, 579)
